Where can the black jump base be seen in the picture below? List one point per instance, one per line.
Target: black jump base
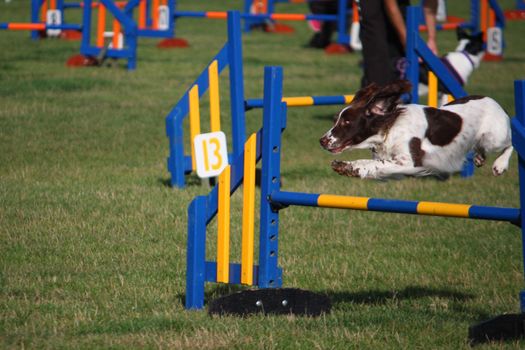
(272, 301)
(500, 328)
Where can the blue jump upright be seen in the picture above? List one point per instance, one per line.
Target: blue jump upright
(267, 274)
(131, 31)
(230, 56)
(129, 27)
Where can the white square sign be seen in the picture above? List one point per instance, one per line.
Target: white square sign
(54, 18)
(164, 17)
(495, 41)
(211, 154)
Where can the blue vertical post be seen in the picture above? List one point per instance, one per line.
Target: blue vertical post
(247, 7)
(35, 17)
(342, 16)
(236, 82)
(149, 20)
(269, 276)
(130, 37)
(270, 7)
(171, 19)
(412, 72)
(474, 15)
(175, 134)
(61, 8)
(196, 254)
(518, 140)
(86, 26)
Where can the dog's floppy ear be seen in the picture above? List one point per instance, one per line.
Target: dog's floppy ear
(461, 33)
(386, 98)
(365, 95)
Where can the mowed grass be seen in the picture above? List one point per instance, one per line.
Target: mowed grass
(92, 240)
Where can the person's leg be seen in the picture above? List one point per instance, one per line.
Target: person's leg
(395, 46)
(374, 37)
(324, 36)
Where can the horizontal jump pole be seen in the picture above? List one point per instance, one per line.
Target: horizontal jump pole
(511, 215)
(304, 101)
(93, 4)
(274, 16)
(38, 26)
(443, 26)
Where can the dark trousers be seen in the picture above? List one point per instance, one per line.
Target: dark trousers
(382, 49)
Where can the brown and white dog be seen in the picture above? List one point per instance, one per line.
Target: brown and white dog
(417, 140)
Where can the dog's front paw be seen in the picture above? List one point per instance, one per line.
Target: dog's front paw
(498, 170)
(345, 168)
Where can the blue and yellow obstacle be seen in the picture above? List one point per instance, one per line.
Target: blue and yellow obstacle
(266, 145)
(466, 211)
(230, 56)
(180, 164)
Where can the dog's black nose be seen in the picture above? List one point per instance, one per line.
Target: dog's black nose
(323, 141)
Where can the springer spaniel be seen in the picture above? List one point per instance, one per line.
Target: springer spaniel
(417, 140)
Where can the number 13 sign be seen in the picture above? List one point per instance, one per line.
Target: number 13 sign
(211, 155)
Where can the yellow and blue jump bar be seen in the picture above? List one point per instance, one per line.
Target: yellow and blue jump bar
(304, 101)
(397, 206)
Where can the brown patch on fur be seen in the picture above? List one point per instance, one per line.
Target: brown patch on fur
(443, 126)
(463, 100)
(416, 152)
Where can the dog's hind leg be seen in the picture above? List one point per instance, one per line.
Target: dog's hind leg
(501, 164)
(479, 157)
(497, 140)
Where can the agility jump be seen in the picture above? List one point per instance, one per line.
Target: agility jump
(153, 21)
(46, 19)
(230, 56)
(266, 145)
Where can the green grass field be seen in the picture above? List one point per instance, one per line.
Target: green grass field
(92, 240)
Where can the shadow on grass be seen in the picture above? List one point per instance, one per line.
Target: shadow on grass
(190, 180)
(370, 297)
(379, 297)
(459, 307)
(194, 180)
